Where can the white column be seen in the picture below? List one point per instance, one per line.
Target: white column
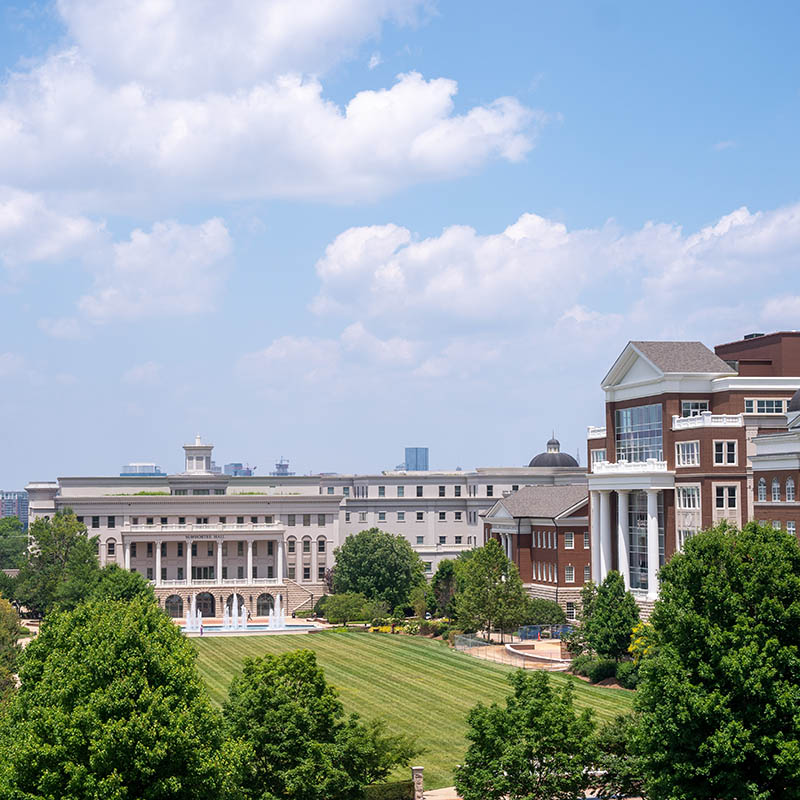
(510, 547)
(158, 563)
(279, 571)
(623, 537)
(249, 560)
(188, 562)
(605, 533)
(595, 523)
(652, 543)
(219, 562)
(127, 548)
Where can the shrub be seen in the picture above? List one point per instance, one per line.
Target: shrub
(401, 790)
(451, 636)
(582, 663)
(627, 674)
(601, 669)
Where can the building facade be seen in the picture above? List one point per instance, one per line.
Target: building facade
(14, 504)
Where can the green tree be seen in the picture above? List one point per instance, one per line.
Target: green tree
(340, 609)
(610, 618)
(9, 647)
(492, 595)
(297, 742)
(535, 747)
(110, 705)
(444, 585)
(421, 599)
(115, 583)
(539, 611)
(719, 691)
(619, 769)
(379, 565)
(13, 542)
(61, 568)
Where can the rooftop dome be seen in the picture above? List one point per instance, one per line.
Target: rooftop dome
(553, 457)
(794, 403)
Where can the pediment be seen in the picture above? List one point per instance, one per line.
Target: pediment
(631, 368)
(499, 512)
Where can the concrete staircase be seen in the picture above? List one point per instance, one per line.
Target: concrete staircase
(302, 598)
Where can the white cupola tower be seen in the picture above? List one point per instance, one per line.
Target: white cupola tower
(198, 457)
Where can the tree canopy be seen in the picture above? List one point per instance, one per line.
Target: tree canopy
(719, 691)
(13, 543)
(110, 705)
(9, 647)
(379, 565)
(61, 567)
(535, 747)
(295, 742)
(609, 615)
(445, 585)
(491, 593)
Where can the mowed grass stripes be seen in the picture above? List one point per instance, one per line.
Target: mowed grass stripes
(421, 687)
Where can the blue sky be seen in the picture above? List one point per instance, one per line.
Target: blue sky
(333, 233)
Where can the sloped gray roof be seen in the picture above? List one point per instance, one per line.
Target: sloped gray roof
(683, 357)
(544, 501)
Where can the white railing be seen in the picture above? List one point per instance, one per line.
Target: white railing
(166, 584)
(707, 420)
(595, 432)
(439, 548)
(628, 467)
(221, 527)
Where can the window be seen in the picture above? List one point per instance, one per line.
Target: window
(381, 491)
(269, 519)
(306, 520)
(133, 549)
(254, 520)
(472, 517)
(347, 516)
(180, 573)
(224, 573)
(306, 545)
(725, 452)
(163, 573)
(194, 549)
(239, 549)
(570, 610)
(442, 540)
(489, 490)
(270, 571)
(587, 574)
(330, 490)
(240, 520)
(790, 490)
(381, 516)
(362, 516)
(441, 491)
(306, 573)
(420, 539)
(180, 492)
(776, 524)
(428, 566)
(514, 487)
(598, 455)
(255, 571)
(687, 496)
(442, 516)
(163, 549)
(457, 490)
(112, 523)
(95, 522)
(764, 406)
(200, 491)
(321, 572)
(291, 521)
(219, 491)
(569, 540)
(164, 520)
(684, 534)
(691, 408)
(290, 546)
(320, 520)
(149, 573)
(401, 516)
(457, 516)
(201, 520)
(112, 547)
(790, 527)
(149, 549)
(569, 574)
(292, 571)
(687, 454)
(762, 489)
(419, 491)
(346, 491)
(180, 549)
(586, 540)
(320, 545)
(240, 572)
(420, 516)
(458, 539)
(725, 497)
(776, 490)
(401, 491)
(638, 433)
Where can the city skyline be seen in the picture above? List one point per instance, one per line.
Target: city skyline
(393, 222)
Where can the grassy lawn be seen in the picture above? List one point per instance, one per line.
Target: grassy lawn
(420, 686)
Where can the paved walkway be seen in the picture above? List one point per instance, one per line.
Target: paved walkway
(442, 794)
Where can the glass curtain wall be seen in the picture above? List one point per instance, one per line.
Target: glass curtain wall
(637, 537)
(639, 433)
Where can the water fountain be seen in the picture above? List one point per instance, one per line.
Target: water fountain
(235, 618)
(277, 619)
(194, 618)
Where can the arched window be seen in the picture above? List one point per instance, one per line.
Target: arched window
(264, 604)
(111, 547)
(321, 544)
(204, 602)
(307, 545)
(174, 606)
(762, 489)
(776, 490)
(229, 603)
(790, 490)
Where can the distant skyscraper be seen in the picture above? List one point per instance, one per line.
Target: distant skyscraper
(281, 468)
(14, 504)
(141, 469)
(238, 470)
(417, 459)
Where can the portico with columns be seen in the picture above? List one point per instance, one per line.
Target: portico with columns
(627, 502)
